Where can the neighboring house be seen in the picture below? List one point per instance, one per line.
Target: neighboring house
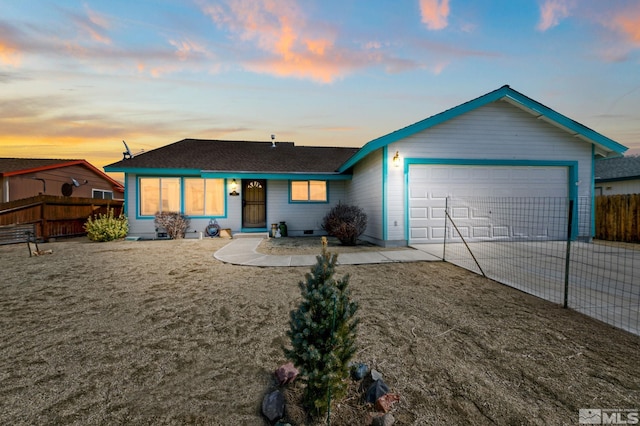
(616, 176)
(27, 177)
(500, 144)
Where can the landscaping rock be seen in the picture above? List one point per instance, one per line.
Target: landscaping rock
(382, 420)
(359, 370)
(286, 373)
(273, 406)
(376, 375)
(376, 390)
(385, 402)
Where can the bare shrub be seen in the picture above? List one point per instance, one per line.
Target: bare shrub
(346, 223)
(176, 224)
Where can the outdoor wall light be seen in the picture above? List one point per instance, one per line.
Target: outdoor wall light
(234, 187)
(396, 159)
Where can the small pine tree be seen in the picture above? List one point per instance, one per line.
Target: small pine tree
(323, 334)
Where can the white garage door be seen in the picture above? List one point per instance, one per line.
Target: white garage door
(430, 185)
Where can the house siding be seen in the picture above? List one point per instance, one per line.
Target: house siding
(24, 186)
(620, 187)
(365, 191)
(300, 217)
(496, 131)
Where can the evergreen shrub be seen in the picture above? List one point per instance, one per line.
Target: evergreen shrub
(106, 227)
(323, 335)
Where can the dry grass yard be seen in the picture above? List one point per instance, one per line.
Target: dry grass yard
(159, 332)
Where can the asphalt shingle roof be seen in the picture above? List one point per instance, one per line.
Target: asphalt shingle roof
(8, 165)
(618, 168)
(240, 156)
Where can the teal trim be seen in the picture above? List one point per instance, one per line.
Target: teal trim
(327, 189)
(505, 92)
(405, 169)
(385, 169)
(572, 183)
(593, 192)
(250, 230)
(276, 176)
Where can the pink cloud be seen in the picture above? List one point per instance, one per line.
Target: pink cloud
(93, 24)
(627, 23)
(552, 12)
(291, 45)
(10, 53)
(187, 48)
(434, 13)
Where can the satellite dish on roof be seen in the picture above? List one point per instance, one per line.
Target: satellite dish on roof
(127, 153)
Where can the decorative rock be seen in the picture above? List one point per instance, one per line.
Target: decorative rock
(375, 375)
(385, 402)
(359, 370)
(383, 420)
(286, 373)
(273, 406)
(376, 390)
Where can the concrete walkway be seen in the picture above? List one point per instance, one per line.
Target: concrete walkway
(242, 251)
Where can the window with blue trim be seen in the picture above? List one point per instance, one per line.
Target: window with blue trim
(159, 195)
(314, 191)
(202, 197)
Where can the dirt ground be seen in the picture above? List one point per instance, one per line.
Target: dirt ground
(160, 332)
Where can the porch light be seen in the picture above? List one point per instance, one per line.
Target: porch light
(234, 187)
(396, 159)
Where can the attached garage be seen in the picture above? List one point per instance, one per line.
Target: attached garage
(429, 186)
(502, 146)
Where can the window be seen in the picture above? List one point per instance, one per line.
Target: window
(203, 197)
(191, 196)
(103, 195)
(159, 195)
(309, 191)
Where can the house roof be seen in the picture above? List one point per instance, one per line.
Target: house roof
(621, 168)
(218, 156)
(22, 166)
(604, 147)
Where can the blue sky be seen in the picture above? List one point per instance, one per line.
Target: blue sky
(78, 77)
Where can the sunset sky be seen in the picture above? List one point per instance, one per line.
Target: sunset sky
(78, 77)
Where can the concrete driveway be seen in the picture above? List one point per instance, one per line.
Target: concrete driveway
(603, 279)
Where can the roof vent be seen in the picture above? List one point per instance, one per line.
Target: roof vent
(273, 141)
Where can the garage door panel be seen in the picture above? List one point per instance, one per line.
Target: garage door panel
(417, 213)
(460, 213)
(437, 232)
(481, 232)
(430, 185)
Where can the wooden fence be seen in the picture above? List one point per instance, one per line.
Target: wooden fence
(618, 218)
(55, 216)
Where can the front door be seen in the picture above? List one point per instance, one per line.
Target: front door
(254, 196)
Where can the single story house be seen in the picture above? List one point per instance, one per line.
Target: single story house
(502, 144)
(616, 176)
(27, 177)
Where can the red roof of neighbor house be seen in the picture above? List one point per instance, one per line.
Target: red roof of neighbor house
(239, 156)
(18, 166)
(21, 166)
